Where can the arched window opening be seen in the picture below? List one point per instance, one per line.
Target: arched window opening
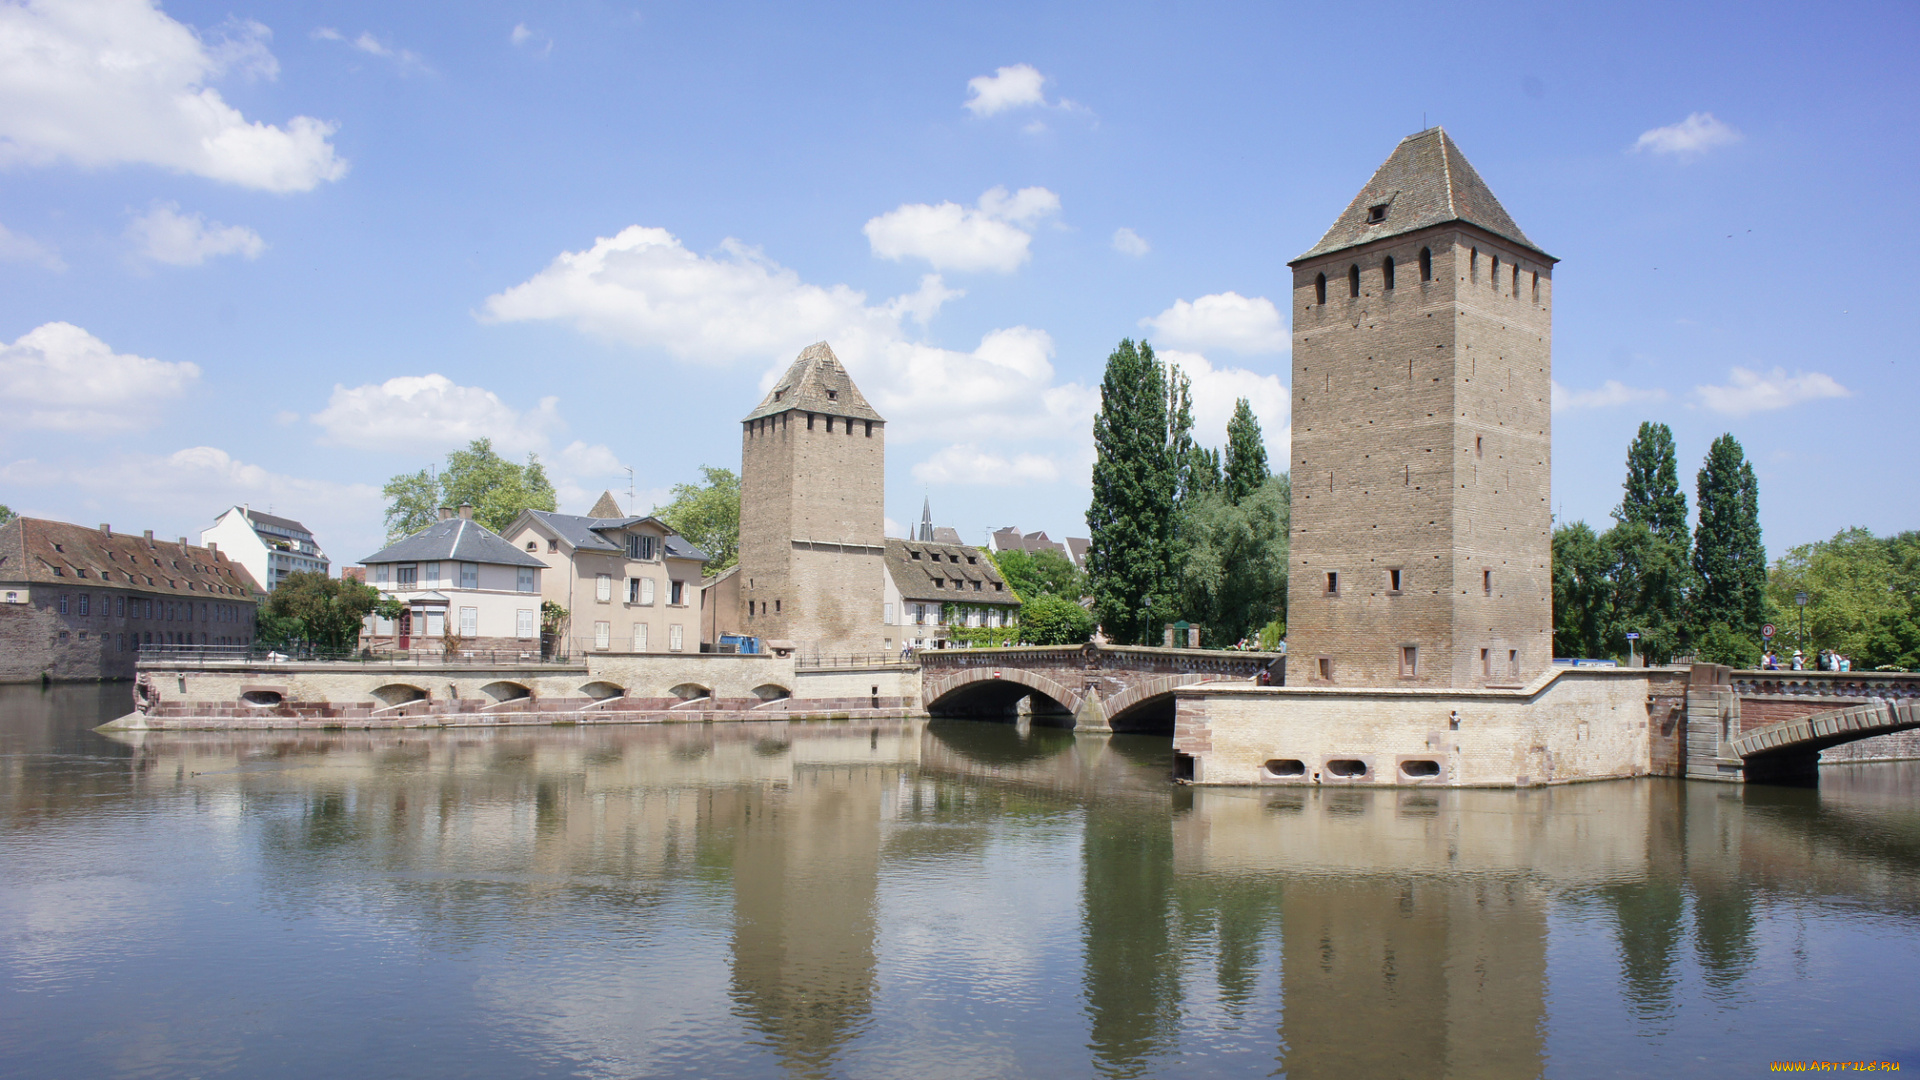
(1493, 273)
(1516, 280)
(1536, 286)
(1426, 264)
(1386, 272)
(1473, 264)
(1320, 289)
(1353, 280)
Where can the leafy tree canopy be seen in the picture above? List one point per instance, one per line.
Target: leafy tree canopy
(6, 514)
(330, 611)
(1054, 620)
(1032, 575)
(1626, 580)
(1232, 577)
(1652, 490)
(709, 515)
(1863, 598)
(1728, 558)
(1246, 453)
(498, 488)
(1135, 482)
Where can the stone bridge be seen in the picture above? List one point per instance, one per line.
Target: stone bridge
(1088, 687)
(1777, 726)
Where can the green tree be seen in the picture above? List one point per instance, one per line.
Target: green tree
(6, 514)
(498, 489)
(1582, 593)
(1054, 620)
(1650, 582)
(1728, 559)
(1652, 491)
(1247, 468)
(1232, 577)
(330, 610)
(1131, 517)
(1863, 597)
(1032, 575)
(709, 515)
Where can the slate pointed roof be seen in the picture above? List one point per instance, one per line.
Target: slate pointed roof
(816, 383)
(456, 540)
(1426, 181)
(607, 507)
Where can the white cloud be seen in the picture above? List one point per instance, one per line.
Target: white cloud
(521, 34)
(164, 234)
(1699, 132)
(1605, 396)
(117, 81)
(1015, 87)
(1752, 391)
(990, 236)
(182, 491)
(521, 37)
(643, 288)
(1221, 320)
(1128, 242)
(966, 463)
(1216, 390)
(17, 248)
(416, 413)
(67, 379)
(405, 59)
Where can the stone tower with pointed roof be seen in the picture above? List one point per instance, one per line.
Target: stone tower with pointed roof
(1422, 385)
(812, 530)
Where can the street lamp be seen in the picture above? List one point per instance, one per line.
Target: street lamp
(1800, 601)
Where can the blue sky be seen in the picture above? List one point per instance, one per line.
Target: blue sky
(277, 253)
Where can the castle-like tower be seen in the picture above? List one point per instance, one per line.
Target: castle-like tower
(812, 533)
(1421, 535)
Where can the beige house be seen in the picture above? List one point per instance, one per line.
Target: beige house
(629, 584)
(932, 587)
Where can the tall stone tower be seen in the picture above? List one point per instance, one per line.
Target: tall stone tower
(1421, 535)
(812, 533)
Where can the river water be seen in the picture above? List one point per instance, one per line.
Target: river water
(912, 899)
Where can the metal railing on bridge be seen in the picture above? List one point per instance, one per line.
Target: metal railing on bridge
(248, 655)
(854, 660)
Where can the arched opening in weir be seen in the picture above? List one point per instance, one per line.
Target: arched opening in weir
(1001, 699)
(1149, 716)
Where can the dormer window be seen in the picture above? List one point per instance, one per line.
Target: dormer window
(915, 554)
(1376, 213)
(833, 395)
(778, 394)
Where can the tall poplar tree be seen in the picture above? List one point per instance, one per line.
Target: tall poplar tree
(1652, 491)
(1246, 453)
(1728, 557)
(1135, 484)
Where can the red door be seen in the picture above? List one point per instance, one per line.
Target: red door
(406, 630)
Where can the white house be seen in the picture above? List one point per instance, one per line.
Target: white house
(269, 547)
(459, 579)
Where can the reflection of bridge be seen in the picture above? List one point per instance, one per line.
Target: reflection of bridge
(1771, 726)
(1090, 687)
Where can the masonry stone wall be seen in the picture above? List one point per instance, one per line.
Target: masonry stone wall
(1566, 725)
(1421, 445)
(812, 531)
(103, 641)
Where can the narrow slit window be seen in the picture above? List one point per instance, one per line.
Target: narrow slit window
(1409, 660)
(1393, 580)
(1493, 273)
(1516, 281)
(1536, 286)
(1486, 662)
(1486, 582)
(1386, 272)
(1320, 289)
(1326, 669)
(1473, 264)
(1479, 446)
(1353, 280)
(1426, 264)
(1333, 583)
(1513, 661)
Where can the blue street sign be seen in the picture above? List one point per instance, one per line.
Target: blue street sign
(1632, 636)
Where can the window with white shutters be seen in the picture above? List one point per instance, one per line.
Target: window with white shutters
(523, 625)
(603, 587)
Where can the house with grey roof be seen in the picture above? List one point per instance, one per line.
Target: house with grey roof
(932, 588)
(629, 583)
(270, 547)
(464, 589)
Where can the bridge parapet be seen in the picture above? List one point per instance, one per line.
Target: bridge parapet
(1850, 685)
(1098, 684)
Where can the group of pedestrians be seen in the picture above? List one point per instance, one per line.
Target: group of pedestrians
(1828, 660)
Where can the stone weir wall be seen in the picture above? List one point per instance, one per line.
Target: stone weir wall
(605, 688)
(1566, 725)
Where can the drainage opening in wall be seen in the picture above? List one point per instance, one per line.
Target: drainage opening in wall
(262, 698)
(1279, 767)
(1182, 766)
(1420, 769)
(1349, 768)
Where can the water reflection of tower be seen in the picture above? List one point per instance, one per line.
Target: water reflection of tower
(805, 874)
(1413, 976)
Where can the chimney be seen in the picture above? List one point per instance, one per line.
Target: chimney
(466, 511)
(106, 528)
(183, 545)
(446, 512)
(214, 548)
(149, 537)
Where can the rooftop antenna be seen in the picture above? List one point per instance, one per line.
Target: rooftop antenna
(629, 469)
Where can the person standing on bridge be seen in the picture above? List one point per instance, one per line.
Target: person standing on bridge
(1799, 661)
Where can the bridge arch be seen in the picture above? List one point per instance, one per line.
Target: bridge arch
(1147, 706)
(1789, 752)
(994, 692)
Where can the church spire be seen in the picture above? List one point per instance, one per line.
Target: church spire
(926, 521)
